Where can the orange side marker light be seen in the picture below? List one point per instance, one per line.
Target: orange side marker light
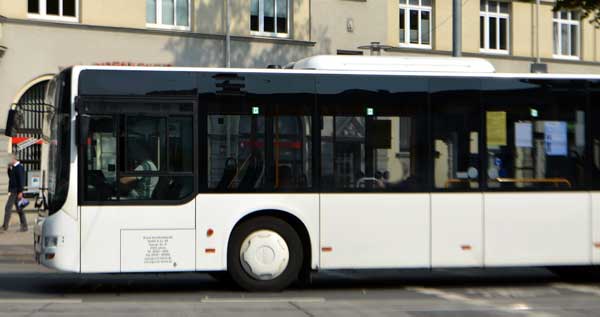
(465, 247)
(326, 249)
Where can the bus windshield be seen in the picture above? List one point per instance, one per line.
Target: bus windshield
(56, 134)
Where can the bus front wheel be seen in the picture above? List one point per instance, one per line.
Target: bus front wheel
(264, 254)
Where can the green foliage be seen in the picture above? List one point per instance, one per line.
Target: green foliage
(589, 8)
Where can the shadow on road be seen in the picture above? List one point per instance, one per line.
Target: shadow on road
(65, 284)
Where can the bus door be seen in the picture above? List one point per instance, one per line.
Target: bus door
(137, 188)
(456, 200)
(374, 200)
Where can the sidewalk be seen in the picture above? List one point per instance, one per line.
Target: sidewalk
(15, 246)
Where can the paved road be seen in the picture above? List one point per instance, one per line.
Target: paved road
(28, 290)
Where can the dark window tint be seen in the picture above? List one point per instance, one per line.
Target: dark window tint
(372, 134)
(456, 132)
(535, 134)
(181, 144)
(33, 6)
(236, 147)
(595, 139)
(100, 168)
(146, 147)
(52, 7)
(503, 33)
(292, 147)
(145, 187)
(492, 32)
(69, 8)
(481, 32)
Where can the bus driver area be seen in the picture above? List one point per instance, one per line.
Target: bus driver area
(269, 174)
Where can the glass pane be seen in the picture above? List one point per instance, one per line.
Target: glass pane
(269, 15)
(33, 6)
(413, 20)
(426, 3)
(182, 12)
(564, 15)
(151, 11)
(413, 2)
(101, 161)
(254, 15)
(575, 15)
(503, 33)
(556, 38)
(236, 152)
(145, 148)
(492, 33)
(425, 27)
(282, 11)
(574, 40)
(482, 5)
(564, 33)
(503, 7)
(456, 133)
(541, 149)
(292, 151)
(155, 187)
(402, 26)
(492, 6)
(168, 12)
(52, 7)
(482, 32)
(181, 144)
(69, 8)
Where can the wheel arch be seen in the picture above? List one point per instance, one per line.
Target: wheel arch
(297, 224)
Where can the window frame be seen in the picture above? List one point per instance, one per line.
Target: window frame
(407, 7)
(121, 152)
(261, 21)
(159, 25)
(557, 20)
(487, 15)
(42, 13)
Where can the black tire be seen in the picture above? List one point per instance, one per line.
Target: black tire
(234, 265)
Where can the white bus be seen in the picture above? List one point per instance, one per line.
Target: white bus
(332, 163)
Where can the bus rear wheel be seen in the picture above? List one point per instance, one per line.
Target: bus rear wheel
(264, 254)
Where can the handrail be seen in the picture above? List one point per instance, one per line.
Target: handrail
(457, 181)
(556, 180)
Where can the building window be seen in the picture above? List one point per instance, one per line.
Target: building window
(415, 23)
(566, 34)
(64, 10)
(493, 26)
(169, 14)
(269, 17)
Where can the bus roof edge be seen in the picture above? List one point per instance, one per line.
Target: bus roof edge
(394, 64)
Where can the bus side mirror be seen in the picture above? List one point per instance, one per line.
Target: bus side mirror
(83, 128)
(13, 122)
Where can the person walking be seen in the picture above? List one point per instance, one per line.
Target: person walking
(16, 183)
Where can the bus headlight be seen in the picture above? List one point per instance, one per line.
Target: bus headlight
(50, 241)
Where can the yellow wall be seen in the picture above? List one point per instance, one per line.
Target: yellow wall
(588, 47)
(470, 26)
(522, 29)
(13, 8)
(130, 13)
(442, 25)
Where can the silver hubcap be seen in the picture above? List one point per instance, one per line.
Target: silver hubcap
(264, 255)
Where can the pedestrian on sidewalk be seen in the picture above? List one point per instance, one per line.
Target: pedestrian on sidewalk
(16, 183)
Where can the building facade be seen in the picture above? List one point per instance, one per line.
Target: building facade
(40, 37)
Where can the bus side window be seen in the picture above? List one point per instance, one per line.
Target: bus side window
(236, 145)
(456, 133)
(100, 160)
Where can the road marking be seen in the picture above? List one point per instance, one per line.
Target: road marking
(264, 300)
(516, 308)
(41, 301)
(578, 288)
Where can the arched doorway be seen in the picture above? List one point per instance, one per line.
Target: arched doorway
(32, 99)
